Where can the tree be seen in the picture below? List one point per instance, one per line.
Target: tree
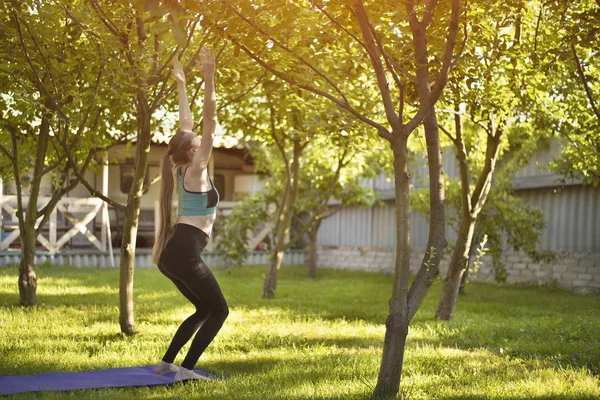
(345, 40)
(489, 88)
(507, 219)
(322, 182)
(329, 166)
(567, 47)
(487, 102)
(50, 104)
(140, 39)
(284, 129)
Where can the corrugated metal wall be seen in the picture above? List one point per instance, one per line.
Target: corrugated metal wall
(572, 216)
(373, 227)
(537, 165)
(572, 213)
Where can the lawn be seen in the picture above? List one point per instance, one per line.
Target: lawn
(318, 339)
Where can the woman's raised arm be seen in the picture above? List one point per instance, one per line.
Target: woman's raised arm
(186, 122)
(209, 111)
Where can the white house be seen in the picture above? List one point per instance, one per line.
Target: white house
(231, 169)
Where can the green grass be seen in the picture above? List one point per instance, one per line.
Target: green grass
(318, 339)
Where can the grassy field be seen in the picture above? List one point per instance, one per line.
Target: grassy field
(319, 339)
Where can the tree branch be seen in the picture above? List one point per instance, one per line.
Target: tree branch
(357, 39)
(483, 185)
(107, 22)
(88, 186)
(385, 55)
(462, 48)
(336, 22)
(442, 78)
(5, 151)
(17, 176)
(323, 209)
(78, 22)
(58, 195)
(292, 53)
(50, 168)
(280, 146)
(448, 134)
(346, 106)
(302, 232)
(42, 55)
(150, 183)
(428, 17)
(164, 91)
(41, 87)
(475, 121)
(587, 89)
(363, 21)
(402, 100)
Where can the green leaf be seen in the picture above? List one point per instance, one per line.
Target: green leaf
(159, 28)
(178, 33)
(155, 8)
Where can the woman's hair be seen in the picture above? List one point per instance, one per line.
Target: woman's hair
(179, 145)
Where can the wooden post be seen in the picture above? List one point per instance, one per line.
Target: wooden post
(156, 217)
(106, 233)
(52, 231)
(104, 214)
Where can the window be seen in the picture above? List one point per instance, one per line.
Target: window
(127, 171)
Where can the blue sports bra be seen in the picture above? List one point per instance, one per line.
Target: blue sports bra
(195, 203)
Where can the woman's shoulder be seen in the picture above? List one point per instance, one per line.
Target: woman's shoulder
(196, 171)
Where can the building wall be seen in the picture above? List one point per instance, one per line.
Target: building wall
(574, 271)
(229, 163)
(364, 237)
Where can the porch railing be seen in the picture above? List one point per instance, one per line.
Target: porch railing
(70, 217)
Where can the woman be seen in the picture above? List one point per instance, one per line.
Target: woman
(177, 252)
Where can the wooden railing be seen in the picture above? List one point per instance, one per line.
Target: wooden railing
(70, 217)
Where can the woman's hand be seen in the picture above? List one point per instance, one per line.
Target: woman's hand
(207, 62)
(178, 71)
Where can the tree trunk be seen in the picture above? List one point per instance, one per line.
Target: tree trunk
(390, 371)
(458, 265)
(436, 241)
(470, 208)
(270, 284)
(127, 263)
(463, 281)
(312, 249)
(130, 227)
(283, 223)
(27, 277)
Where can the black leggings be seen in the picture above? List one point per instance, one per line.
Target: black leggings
(182, 263)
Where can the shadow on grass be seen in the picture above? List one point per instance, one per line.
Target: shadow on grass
(517, 397)
(526, 323)
(528, 397)
(249, 378)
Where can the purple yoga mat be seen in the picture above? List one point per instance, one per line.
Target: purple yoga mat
(108, 378)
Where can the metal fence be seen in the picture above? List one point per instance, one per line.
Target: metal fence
(142, 258)
(571, 211)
